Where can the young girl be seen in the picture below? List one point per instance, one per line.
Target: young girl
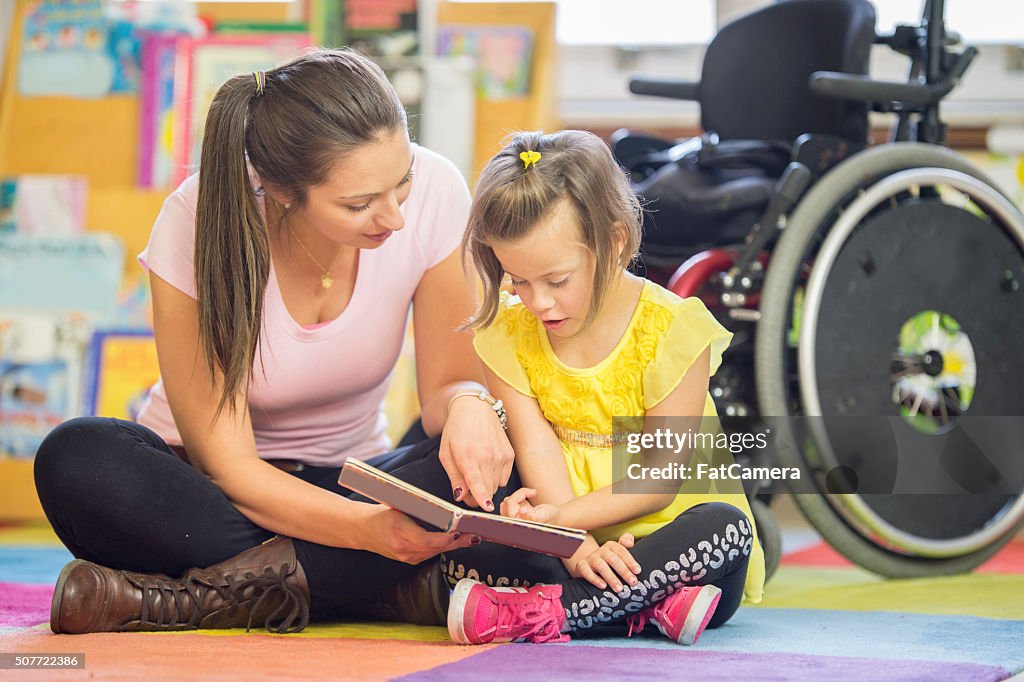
(583, 341)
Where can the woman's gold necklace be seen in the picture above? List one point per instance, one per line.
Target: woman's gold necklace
(326, 280)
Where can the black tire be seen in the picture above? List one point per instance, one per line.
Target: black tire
(770, 536)
(813, 218)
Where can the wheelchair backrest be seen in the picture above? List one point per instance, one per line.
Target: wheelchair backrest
(754, 83)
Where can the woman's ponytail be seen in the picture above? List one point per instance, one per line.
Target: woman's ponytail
(232, 253)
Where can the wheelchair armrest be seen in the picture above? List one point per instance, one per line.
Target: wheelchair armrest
(864, 88)
(664, 87)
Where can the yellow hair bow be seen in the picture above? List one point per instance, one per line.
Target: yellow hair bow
(530, 157)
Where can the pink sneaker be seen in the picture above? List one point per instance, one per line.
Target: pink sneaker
(479, 614)
(681, 617)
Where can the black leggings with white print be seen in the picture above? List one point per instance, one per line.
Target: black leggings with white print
(708, 544)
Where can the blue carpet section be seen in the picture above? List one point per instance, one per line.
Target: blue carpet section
(868, 634)
(32, 565)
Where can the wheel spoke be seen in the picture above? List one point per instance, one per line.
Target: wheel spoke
(954, 400)
(917, 404)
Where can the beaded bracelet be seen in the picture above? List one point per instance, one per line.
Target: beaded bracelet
(496, 405)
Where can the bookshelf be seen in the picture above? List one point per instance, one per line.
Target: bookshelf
(97, 138)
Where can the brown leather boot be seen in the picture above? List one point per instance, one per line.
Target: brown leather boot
(262, 586)
(421, 599)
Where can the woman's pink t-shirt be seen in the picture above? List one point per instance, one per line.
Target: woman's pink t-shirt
(317, 394)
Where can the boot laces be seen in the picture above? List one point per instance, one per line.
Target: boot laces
(168, 600)
(530, 616)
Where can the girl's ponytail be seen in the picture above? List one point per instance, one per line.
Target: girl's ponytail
(232, 252)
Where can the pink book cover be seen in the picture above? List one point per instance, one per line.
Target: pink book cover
(147, 114)
(203, 65)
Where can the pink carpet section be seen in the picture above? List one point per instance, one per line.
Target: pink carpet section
(203, 658)
(24, 605)
(1008, 560)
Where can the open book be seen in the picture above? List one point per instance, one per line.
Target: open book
(445, 516)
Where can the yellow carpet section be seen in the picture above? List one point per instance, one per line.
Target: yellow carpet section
(852, 589)
(391, 631)
(32, 536)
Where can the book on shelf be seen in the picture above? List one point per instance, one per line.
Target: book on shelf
(202, 66)
(121, 367)
(382, 487)
(41, 359)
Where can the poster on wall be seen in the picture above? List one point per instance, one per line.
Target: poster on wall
(502, 55)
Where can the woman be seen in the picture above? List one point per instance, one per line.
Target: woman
(282, 278)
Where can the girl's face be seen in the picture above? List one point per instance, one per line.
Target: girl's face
(359, 204)
(552, 270)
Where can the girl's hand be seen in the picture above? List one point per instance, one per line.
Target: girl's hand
(475, 452)
(394, 535)
(609, 564)
(518, 506)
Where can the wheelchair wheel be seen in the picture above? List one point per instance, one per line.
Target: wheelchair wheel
(770, 534)
(902, 256)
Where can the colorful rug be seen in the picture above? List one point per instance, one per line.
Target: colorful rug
(822, 618)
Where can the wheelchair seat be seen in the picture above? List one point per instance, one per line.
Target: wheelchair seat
(700, 207)
(755, 101)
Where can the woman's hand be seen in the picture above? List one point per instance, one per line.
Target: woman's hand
(475, 452)
(518, 506)
(609, 564)
(394, 535)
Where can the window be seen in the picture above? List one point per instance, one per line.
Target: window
(634, 22)
(977, 21)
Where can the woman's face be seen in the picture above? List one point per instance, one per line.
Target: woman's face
(552, 270)
(359, 204)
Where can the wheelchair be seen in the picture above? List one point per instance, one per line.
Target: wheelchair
(874, 292)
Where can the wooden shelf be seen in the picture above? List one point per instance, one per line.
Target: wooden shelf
(18, 499)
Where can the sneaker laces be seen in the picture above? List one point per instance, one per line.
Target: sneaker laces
(637, 622)
(536, 611)
(168, 599)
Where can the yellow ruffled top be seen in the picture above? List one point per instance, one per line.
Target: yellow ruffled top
(664, 337)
